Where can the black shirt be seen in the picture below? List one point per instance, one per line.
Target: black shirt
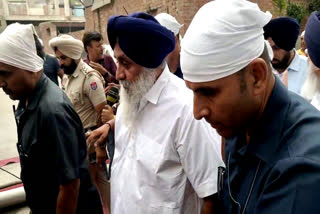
(51, 68)
(278, 172)
(52, 150)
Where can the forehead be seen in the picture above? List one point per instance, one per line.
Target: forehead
(215, 84)
(95, 42)
(271, 41)
(119, 54)
(8, 68)
(59, 54)
(117, 51)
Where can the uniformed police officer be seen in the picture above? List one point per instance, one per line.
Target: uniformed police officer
(85, 89)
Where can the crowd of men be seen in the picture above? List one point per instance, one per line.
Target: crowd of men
(225, 121)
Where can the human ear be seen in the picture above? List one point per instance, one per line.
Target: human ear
(258, 71)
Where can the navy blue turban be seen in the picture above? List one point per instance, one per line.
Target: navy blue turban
(284, 31)
(141, 38)
(312, 38)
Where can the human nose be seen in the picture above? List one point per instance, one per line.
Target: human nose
(60, 62)
(120, 75)
(199, 109)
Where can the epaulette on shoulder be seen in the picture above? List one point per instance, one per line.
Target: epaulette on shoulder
(93, 72)
(84, 70)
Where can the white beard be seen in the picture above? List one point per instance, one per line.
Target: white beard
(131, 94)
(312, 84)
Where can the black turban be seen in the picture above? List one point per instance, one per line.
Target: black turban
(312, 38)
(141, 38)
(284, 31)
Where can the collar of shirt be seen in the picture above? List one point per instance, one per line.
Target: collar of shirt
(295, 64)
(33, 100)
(77, 71)
(154, 93)
(266, 139)
(86, 60)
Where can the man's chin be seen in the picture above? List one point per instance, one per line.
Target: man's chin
(13, 97)
(226, 133)
(275, 64)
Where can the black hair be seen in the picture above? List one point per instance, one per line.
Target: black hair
(90, 36)
(39, 47)
(241, 73)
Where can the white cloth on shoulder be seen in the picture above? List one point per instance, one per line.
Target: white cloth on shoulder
(223, 37)
(18, 47)
(68, 46)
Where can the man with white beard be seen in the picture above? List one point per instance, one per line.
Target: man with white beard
(311, 87)
(165, 161)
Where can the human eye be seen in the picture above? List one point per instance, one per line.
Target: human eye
(275, 47)
(4, 73)
(206, 91)
(125, 63)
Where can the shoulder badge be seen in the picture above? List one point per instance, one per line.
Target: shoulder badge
(94, 85)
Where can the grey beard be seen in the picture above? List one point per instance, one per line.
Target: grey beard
(131, 94)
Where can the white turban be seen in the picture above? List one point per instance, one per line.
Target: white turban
(68, 46)
(168, 22)
(18, 48)
(223, 37)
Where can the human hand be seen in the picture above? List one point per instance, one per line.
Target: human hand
(110, 85)
(107, 114)
(98, 67)
(98, 138)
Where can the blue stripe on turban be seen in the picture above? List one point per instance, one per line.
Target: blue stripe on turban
(312, 38)
(141, 38)
(284, 31)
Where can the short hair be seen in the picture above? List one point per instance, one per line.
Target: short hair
(265, 56)
(90, 36)
(39, 47)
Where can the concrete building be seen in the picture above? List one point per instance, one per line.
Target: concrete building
(50, 17)
(97, 12)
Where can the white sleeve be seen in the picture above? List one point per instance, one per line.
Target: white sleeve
(199, 148)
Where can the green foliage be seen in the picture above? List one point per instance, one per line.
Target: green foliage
(75, 2)
(296, 11)
(314, 6)
(281, 5)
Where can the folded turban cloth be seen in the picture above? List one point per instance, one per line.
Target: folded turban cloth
(18, 47)
(141, 38)
(312, 38)
(284, 31)
(169, 22)
(68, 46)
(223, 37)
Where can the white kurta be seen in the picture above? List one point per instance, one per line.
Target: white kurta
(170, 161)
(316, 101)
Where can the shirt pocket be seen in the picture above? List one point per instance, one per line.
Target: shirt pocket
(163, 193)
(75, 98)
(147, 155)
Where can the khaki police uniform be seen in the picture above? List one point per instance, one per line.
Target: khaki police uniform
(85, 89)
